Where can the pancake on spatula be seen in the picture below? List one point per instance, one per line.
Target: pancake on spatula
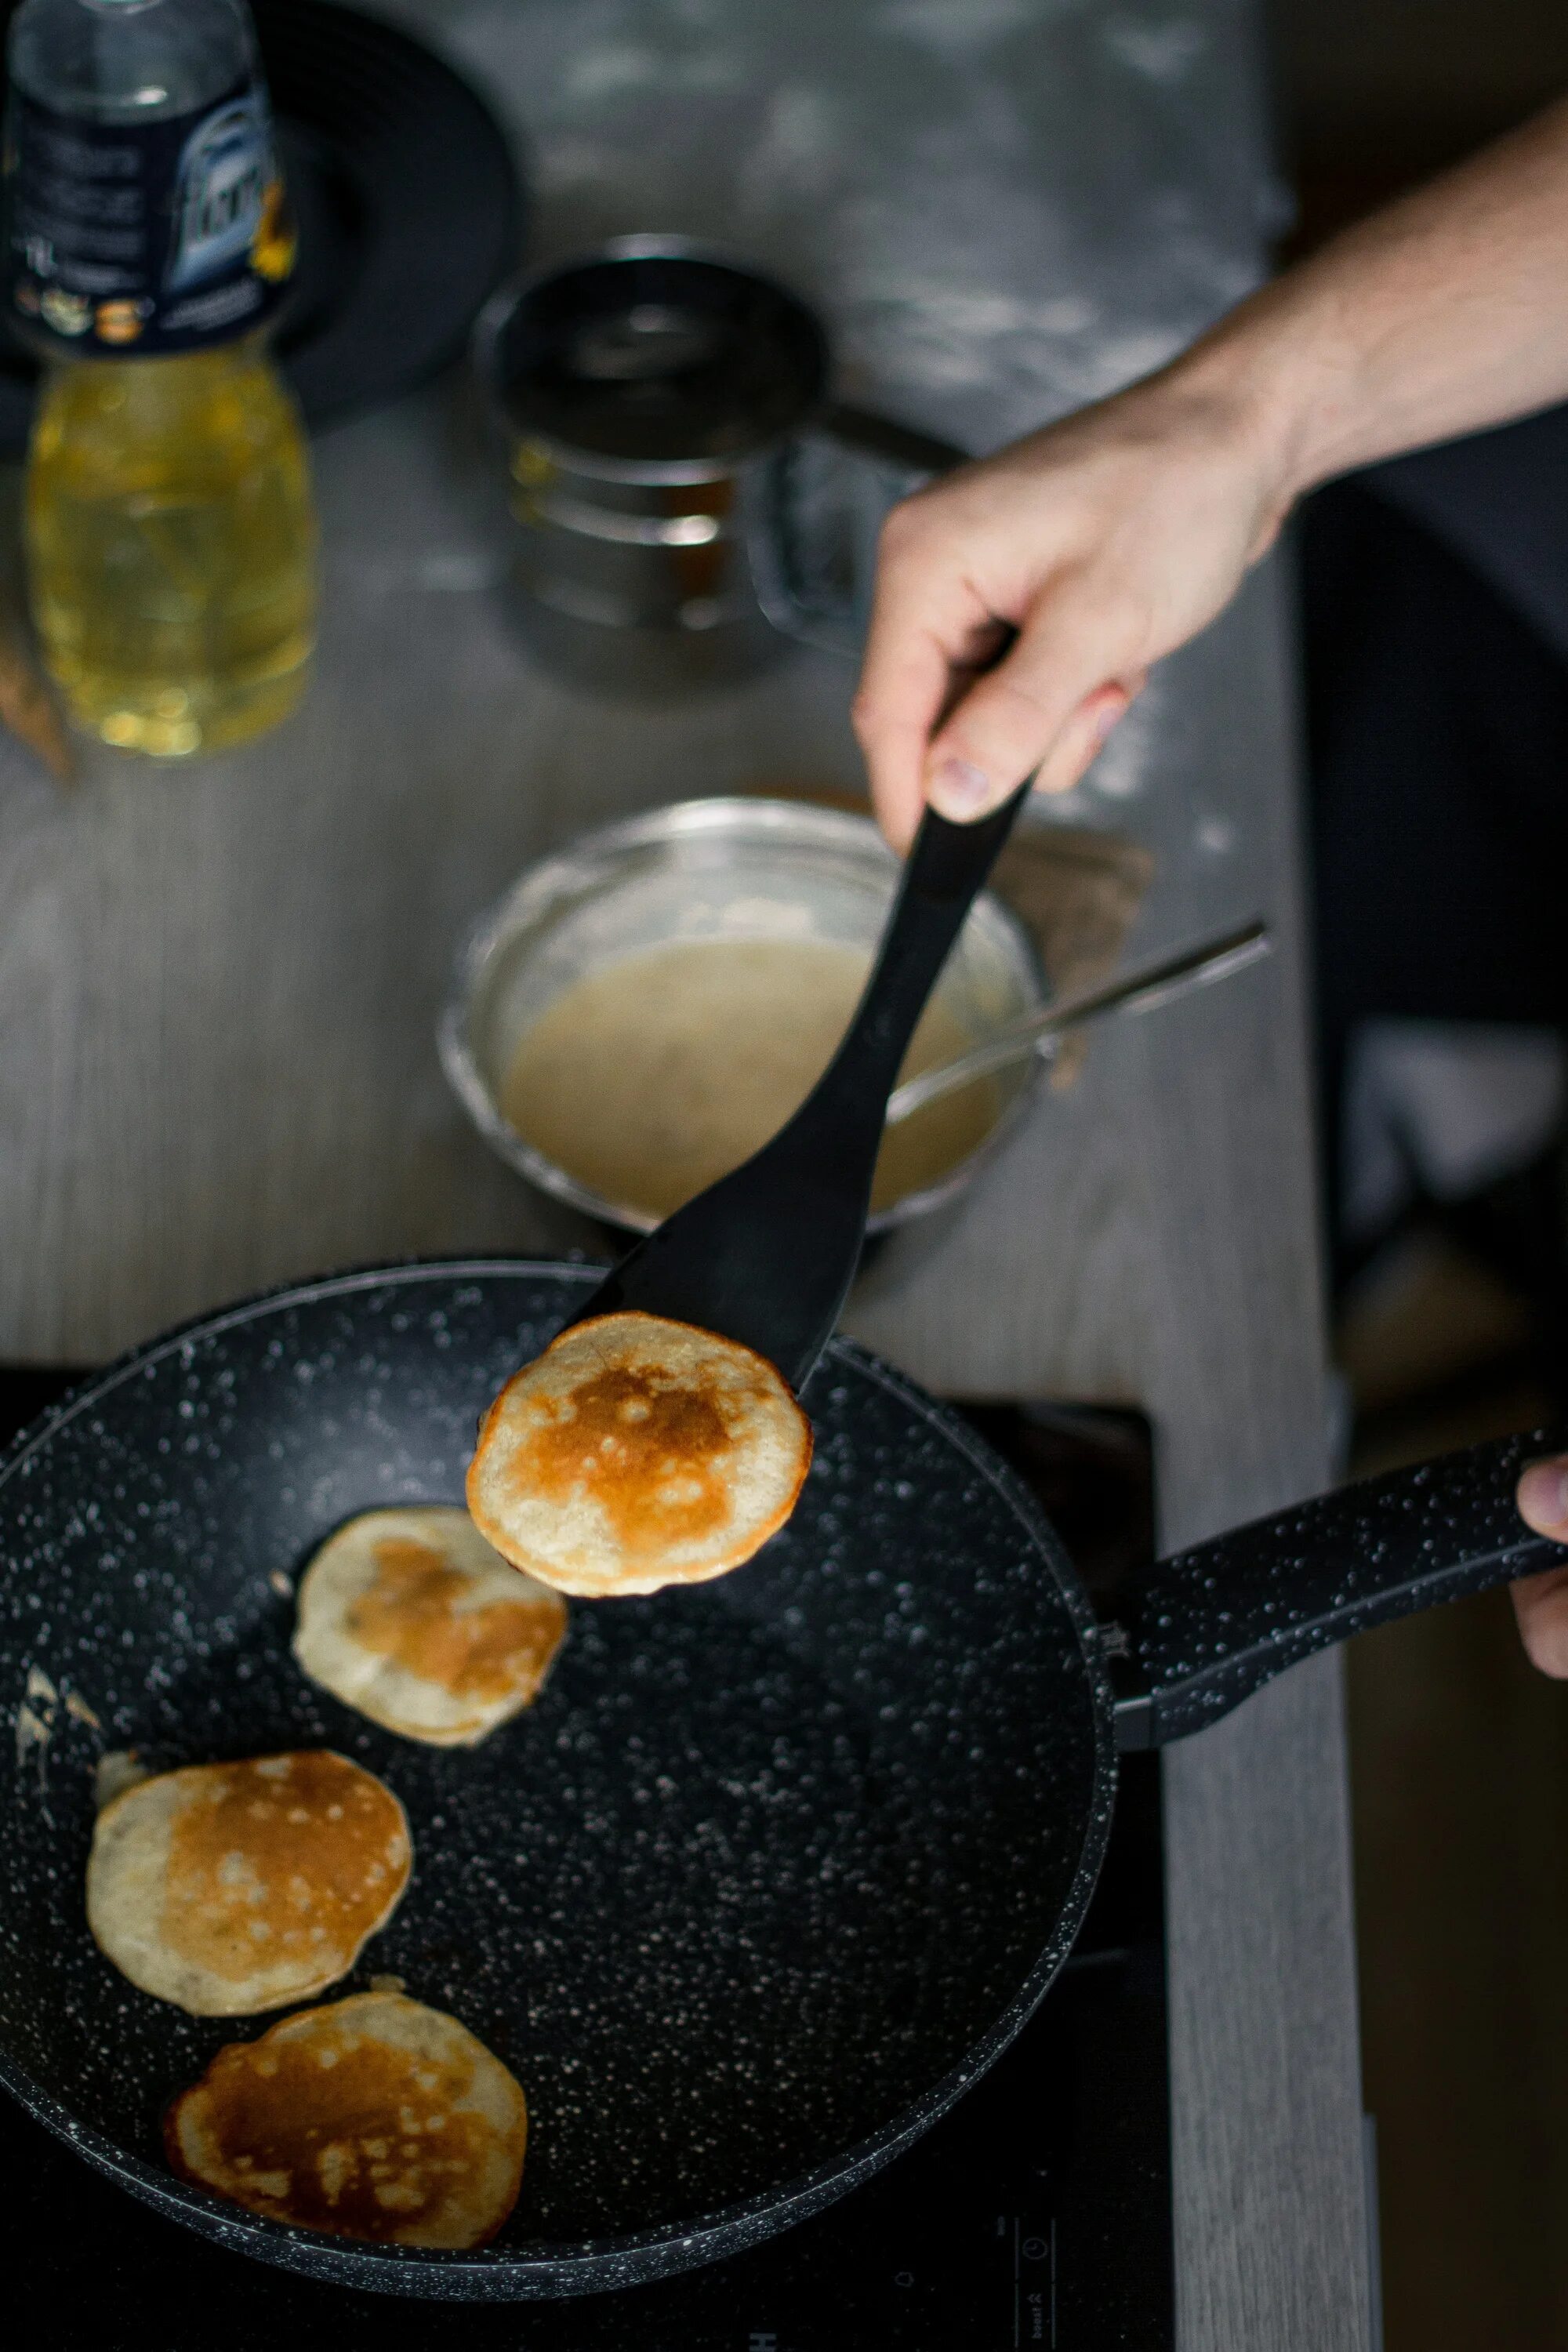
(373, 2117)
(410, 1617)
(229, 1888)
(636, 1453)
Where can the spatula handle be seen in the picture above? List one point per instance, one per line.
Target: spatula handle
(943, 875)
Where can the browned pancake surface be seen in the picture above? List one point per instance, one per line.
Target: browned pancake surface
(651, 1457)
(637, 1452)
(280, 1854)
(409, 1616)
(373, 2117)
(237, 1887)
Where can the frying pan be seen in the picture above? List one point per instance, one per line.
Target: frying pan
(776, 1865)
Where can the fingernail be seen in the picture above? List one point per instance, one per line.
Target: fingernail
(959, 788)
(1543, 1494)
(1107, 717)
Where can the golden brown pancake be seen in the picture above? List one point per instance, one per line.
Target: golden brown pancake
(229, 1888)
(373, 2117)
(410, 1617)
(638, 1452)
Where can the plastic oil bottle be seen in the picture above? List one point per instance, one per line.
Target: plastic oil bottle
(169, 524)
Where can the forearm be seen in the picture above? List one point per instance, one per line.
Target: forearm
(1443, 313)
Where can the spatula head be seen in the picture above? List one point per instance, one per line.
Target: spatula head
(766, 1257)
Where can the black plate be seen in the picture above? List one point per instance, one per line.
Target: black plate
(408, 204)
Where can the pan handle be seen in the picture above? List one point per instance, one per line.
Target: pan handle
(1213, 1623)
(814, 556)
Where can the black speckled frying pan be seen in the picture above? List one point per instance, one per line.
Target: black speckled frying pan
(773, 1869)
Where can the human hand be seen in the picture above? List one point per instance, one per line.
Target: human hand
(1540, 1602)
(1110, 539)
(1106, 541)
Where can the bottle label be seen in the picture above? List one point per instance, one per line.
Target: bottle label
(145, 236)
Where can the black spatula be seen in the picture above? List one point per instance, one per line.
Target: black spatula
(766, 1254)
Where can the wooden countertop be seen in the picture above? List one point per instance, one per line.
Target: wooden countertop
(217, 988)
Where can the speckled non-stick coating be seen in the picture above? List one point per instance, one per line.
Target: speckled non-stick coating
(773, 1865)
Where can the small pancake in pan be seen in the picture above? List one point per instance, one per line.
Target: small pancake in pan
(229, 1888)
(372, 2117)
(410, 1617)
(636, 1453)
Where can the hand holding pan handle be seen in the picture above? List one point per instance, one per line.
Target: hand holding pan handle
(1213, 1623)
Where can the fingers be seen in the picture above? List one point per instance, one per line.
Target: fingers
(1047, 708)
(1540, 1602)
(1107, 539)
(893, 739)
(1542, 1498)
(1087, 733)
(956, 566)
(1540, 1605)
(1040, 710)
(927, 626)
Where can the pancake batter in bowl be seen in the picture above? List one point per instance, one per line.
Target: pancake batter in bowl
(656, 1075)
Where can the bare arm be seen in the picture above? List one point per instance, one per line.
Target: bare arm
(1110, 539)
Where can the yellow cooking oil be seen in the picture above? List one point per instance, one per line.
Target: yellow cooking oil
(171, 547)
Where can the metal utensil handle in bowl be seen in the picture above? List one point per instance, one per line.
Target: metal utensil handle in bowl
(1141, 990)
(1215, 1621)
(813, 574)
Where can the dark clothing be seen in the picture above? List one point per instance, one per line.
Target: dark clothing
(1437, 692)
(1438, 728)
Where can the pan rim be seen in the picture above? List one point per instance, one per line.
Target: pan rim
(561, 2269)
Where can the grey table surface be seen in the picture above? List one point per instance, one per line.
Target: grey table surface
(217, 988)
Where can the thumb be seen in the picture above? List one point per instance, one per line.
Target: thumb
(1542, 1498)
(1541, 1601)
(1041, 709)
(961, 792)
